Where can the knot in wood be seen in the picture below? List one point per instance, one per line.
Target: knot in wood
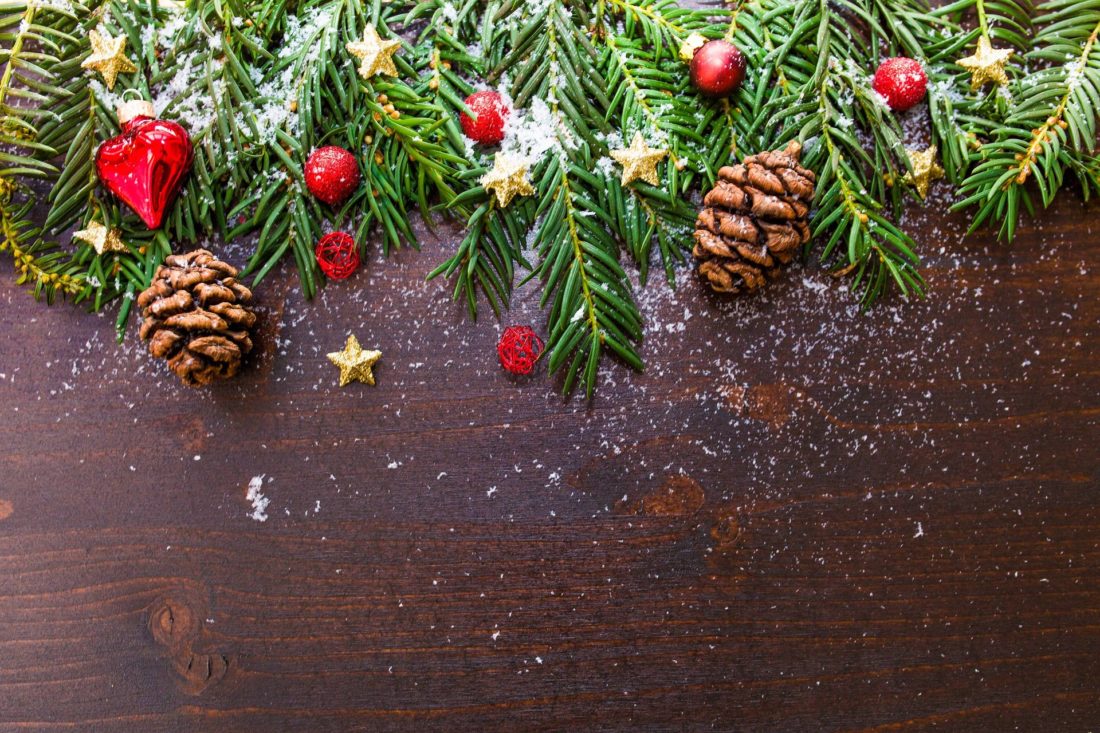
(173, 622)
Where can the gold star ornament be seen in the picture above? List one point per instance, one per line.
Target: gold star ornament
(375, 54)
(987, 64)
(101, 238)
(690, 45)
(108, 57)
(354, 363)
(508, 178)
(639, 161)
(926, 168)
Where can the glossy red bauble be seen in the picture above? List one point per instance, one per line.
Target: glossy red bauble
(332, 174)
(491, 112)
(717, 69)
(337, 255)
(902, 82)
(519, 350)
(145, 164)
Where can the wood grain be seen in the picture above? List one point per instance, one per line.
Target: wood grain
(800, 518)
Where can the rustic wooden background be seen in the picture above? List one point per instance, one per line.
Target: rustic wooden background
(801, 517)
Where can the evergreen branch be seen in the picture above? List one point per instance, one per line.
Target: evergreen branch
(833, 102)
(1052, 125)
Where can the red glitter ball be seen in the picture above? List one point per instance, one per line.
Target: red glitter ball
(717, 69)
(337, 255)
(902, 82)
(491, 111)
(519, 349)
(332, 174)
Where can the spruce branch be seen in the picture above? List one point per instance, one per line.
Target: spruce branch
(1051, 127)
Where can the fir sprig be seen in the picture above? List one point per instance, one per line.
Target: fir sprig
(1051, 129)
(833, 105)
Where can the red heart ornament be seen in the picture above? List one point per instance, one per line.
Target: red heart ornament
(145, 165)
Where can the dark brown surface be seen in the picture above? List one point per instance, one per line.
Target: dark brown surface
(800, 518)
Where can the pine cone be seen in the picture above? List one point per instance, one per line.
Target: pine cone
(197, 317)
(755, 221)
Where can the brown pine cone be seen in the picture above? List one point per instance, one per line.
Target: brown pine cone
(755, 220)
(197, 317)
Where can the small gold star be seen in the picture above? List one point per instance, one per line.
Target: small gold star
(355, 364)
(508, 178)
(101, 238)
(690, 45)
(108, 57)
(639, 161)
(376, 54)
(987, 64)
(925, 170)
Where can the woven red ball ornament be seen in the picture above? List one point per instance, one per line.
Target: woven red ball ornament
(332, 174)
(519, 350)
(337, 255)
(902, 82)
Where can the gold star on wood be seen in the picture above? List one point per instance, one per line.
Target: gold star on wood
(926, 168)
(987, 64)
(376, 54)
(639, 161)
(101, 238)
(108, 57)
(508, 178)
(354, 363)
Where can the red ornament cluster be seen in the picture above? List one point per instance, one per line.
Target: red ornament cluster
(902, 82)
(718, 69)
(145, 165)
(519, 350)
(491, 112)
(332, 174)
(337, 255)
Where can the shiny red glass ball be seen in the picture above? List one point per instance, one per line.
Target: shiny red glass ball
(718, 69)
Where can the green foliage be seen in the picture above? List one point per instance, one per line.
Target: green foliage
(830, 106)
(261, 83)
(1051, 126)
(601, 71)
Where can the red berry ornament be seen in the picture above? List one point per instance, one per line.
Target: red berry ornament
(717, 69)
(332, 174)
(491, 111)
(145, 165)
(337, 255)
(519, 349)
(902, 82)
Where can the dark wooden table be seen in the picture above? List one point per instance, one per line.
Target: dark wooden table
(800, 518)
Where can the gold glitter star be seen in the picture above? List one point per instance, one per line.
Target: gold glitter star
(987, 64)
(508, 178)
(108, 57)
(690, 45)
(101, 238)
(639, 161)
(925, 170)
(376, 54)
(355, 364)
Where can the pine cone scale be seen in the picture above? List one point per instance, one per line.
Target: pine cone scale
(755, 220)
(196, 316)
